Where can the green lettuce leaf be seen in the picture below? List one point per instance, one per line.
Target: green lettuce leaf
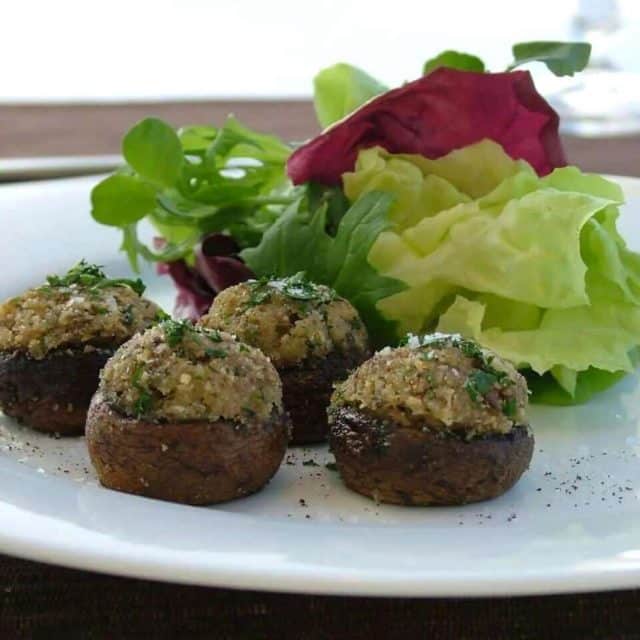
(588, 336)
(454, 60)
(533, 268)
(546, 389)
(341, 89)
(299, 241)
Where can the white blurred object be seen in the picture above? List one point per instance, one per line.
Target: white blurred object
(42, 167)
(115, 50)
(604, 99)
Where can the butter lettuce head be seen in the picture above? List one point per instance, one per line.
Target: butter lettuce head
(533, 268)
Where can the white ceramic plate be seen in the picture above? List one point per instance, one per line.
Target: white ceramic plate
(571, 524)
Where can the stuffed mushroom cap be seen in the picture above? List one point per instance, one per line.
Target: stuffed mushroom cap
(440, 382)
(175, 372)
(438, 421)
(291, 319)
(188, 415)
(55, 338)
(83, 307)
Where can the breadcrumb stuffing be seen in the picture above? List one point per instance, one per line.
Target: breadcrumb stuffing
(434, 384)
(288, 322)
(47, 318)
(177, 372)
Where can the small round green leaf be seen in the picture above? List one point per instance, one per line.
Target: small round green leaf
(454, 60)
(561, 58)
(120, 200)
(152, 148)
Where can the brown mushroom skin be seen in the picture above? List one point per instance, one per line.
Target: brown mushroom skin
(407, 466)
(51, 394)
(196, 463)
(307, 389)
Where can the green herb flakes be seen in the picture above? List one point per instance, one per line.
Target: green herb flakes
(93, 278)
(216, 353)
(174, 331)
(509, 407)
(145, 400)
(479, 383)
(127, 315)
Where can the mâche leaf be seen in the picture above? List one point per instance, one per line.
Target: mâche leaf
(561, 58)
(121, 200)
(194, 182)
(152, 148)
(454, 60)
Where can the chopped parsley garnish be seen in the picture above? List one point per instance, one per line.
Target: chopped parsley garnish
(127, 315)
(93, 278)
(509, 407)
(428, 355)
(213, 335)
(175, 330)
(296, 287)
(161, 316)
(216, 353)
(259, 292)
(299, 288)
(143, 404)
(479, 383)
(484, 376)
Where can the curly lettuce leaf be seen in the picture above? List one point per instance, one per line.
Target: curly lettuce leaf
(546, 389)
(531, 267)
(595, 335)
(300, 241)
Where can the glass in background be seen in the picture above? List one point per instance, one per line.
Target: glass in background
(604, 99)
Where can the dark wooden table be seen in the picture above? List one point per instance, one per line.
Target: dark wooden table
(40, 601)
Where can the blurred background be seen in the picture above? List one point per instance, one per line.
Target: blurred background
(83, 50)
(77, 73)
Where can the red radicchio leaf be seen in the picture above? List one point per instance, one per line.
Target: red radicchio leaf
(216, 268)
(445, 110)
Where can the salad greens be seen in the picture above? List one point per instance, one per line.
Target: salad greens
(531, 267)
(427, 208)
(342, 88)
(299, 242)
(195, 181)
(561, 58)
(454, 60)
